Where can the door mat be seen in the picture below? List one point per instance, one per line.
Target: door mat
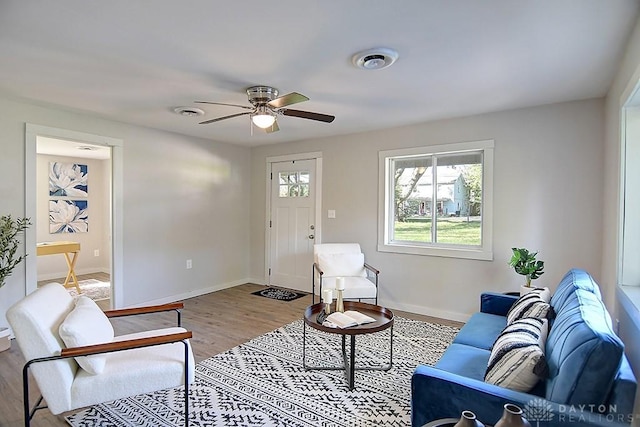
(279, 294)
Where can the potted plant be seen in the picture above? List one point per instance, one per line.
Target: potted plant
(525, 263)
(9, 230)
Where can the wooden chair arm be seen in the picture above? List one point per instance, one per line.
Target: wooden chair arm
(317, 267)
(124, 345)
(143, 310)
(372, 269)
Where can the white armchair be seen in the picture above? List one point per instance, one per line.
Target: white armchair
(76, 361)
(332, 260)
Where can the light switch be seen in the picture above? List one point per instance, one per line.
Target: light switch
(331, 213)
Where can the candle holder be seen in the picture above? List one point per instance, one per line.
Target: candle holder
(339, 302)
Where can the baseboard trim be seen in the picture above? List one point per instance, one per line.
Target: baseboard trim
(191, 294)
(427, 311)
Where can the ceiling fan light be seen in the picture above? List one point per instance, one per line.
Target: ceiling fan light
(263, 121)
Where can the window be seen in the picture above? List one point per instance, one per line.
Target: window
(293, 184)
(629, 267)
(437, 200)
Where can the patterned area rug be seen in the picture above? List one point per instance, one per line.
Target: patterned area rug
(262, 383)
(94, 289)
(279, 294)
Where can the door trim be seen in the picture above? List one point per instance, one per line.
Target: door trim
(31, 134)
(317, 156)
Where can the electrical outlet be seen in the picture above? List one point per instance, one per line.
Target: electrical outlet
(331, 213)
(189, 264)
(96, 252)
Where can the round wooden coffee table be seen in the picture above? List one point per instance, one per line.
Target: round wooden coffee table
(384, 320)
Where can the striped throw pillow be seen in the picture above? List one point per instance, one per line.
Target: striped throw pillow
(545, 293)
(517, 359)
(529, 305)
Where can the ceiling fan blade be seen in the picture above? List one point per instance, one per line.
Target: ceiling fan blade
(308, 115)
(224, 118)
(273, 128)
(288, 99)
(221, 103)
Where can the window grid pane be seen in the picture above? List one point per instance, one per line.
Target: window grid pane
(456, 185)
(412, 199)
(459, 220)
(293, 184)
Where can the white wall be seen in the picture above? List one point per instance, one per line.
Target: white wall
(97, 238)
(183, 198)
(548, 195)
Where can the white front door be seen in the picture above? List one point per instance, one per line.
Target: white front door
(292, 223)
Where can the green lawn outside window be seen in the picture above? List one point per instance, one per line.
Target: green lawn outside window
(457, 231)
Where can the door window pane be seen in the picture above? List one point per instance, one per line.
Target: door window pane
(293, 184)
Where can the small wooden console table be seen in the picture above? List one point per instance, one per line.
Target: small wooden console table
(66, 248)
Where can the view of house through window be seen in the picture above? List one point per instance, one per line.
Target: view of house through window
(438, 199)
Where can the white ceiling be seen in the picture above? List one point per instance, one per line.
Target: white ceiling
(135, 61)
(59, 147)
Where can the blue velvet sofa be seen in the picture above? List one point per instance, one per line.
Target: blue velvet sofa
(590, 381)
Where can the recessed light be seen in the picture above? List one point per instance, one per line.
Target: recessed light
(188, 111)
(375, 59)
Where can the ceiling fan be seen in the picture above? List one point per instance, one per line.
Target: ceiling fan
(267, 105)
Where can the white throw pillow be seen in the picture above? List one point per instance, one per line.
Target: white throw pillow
(87, 324)
(343, 264)
(517, 359)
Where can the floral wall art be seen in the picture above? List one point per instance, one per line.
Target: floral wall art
(68, 216)
(68, 179)
(68, 183)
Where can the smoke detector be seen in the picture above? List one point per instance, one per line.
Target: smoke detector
(375, 59)
(188, 111)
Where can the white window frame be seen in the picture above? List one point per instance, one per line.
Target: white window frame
(386, 211)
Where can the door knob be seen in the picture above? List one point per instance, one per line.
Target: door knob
(311, 236)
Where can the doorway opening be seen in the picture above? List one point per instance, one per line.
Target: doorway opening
(73, 198)
(72, 181)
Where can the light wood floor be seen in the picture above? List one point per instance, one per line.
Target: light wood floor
(219, 321)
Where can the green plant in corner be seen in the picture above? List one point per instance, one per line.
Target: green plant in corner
(525, 263)
(9, 230)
